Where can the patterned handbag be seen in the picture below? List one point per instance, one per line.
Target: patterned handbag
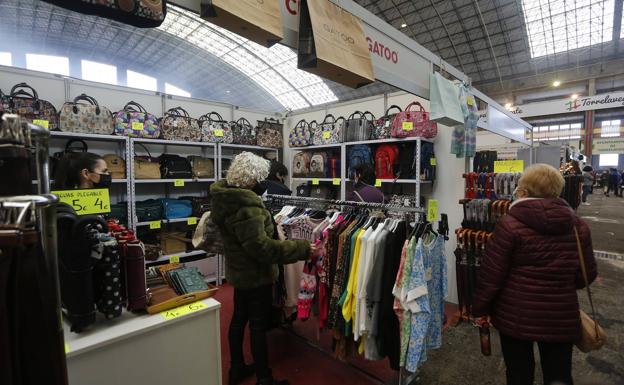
(177, 124)
(244, 132)
(140, 13)
(86, 118)
(383, 126)
(136, 123)
(270, 133)
(359, 126)
(214, 129)
(410, 123)
(300, 135)
(28, 105)
(330, 131)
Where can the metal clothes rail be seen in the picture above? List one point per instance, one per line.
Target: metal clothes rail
(380, 206)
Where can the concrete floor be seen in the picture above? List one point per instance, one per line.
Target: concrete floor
(605, 216)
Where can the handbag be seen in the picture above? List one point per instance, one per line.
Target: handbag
(146, 167)
(177, 124)
(300, 135)
(69, 149)
(593, 337)
(28, 105)
(330, 131)
(270, 133)
(383, 126)
(116, 166)
(359, 126)
(149, 210)
(140, 13)
(176, 208)
(202, 167)
(410, 123)
(200, 204)
(215, 130)
(207, 235)
(175, 167)
(136, 123)
(244, 133)
(85, 118)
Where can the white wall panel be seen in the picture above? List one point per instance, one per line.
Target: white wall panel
(116, 97)
(49, 87)
(197, 108)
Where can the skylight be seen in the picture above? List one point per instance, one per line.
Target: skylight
(173, 90)
(138, 80)
(558, 25)
(46, 63)
(98, 72)
(5, 59)
(274, 69)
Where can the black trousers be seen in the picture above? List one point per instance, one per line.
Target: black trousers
(253, 306)
(555, 357)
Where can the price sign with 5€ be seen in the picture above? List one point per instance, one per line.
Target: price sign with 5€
(86, 202)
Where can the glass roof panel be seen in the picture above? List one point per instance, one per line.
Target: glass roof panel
(292, 100)
(558, 25)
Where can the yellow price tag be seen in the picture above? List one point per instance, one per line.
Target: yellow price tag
(85, 202)
(326, 134)
(191, 221)
(470, 100)
(509, 166)
(408, 126)
(66, 348)
(41, 122)
(377, 182)
(174, 259)
(182, 310)
(178, 183)
(336, 181)
(218, 132)
(315, 181)
(432, 210)
(137, 126)
(154, 225)
(433, 161)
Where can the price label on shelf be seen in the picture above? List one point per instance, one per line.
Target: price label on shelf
(174, 259)
(326, 134)
(377, 182)
(137, 126)
(218, 132)
(408, 126)
(85, 202)
(336, 181)
(154, 225)
(432, 210)
(178, 183)
(182, 310)
(191, 221)
(433, 161)
(315, 181)
(41, 122)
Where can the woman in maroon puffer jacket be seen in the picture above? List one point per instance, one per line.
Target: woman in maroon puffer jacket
(529, 277)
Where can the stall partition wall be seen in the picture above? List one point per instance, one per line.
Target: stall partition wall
(448, 188)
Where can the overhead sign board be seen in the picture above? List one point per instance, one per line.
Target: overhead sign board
(608, 146)
(563, 106)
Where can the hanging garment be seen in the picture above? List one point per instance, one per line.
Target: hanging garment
(464, 141)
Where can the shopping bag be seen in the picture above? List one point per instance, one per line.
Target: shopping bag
(332, 44)
(445, 107)
(258, 21)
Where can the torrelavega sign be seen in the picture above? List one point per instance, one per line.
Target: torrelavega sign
(561, 106)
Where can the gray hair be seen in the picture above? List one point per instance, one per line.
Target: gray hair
(247, 170)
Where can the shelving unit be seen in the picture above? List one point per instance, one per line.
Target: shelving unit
(165, 221)
(172, 181)
(188, 254)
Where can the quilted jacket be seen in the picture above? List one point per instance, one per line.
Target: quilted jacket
(251, 253)
(531, 271)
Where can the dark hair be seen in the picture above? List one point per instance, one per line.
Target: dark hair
(277, 168)
(588, 168)
(366, 173)
(67, 173)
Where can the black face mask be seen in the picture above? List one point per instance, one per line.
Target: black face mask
(105, 181)
(260, 188)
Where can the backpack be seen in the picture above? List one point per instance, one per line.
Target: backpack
(386, 158)
(303, 190)
(407, 161)
(322, 191)
(300, 135)
(317, 165)
(301, 164)
(175, 167)
(357, 155)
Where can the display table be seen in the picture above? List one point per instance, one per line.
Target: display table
(148, 349)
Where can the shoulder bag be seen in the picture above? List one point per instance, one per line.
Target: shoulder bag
(359, 126)
(116, 166)
(202, 167)
(177, 124)
(270, 133)
(593, 337)
(214, 129)
(136, 122)
(383, 126)
(300, 135)
(146, 167)
(207, 236)
(175, 167)
(330, 131)
(86, 118)
(244, 133)
(24, 101)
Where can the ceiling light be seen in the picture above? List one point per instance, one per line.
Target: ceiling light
(507, 105)
(574, 96)
(556, 83)
(403, 25)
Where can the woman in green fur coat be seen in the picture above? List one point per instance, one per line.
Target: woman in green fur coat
(251, 257)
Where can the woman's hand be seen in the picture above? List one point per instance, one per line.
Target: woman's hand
(482, 321)
(314, 250)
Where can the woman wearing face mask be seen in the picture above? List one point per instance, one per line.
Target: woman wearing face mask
(275, 181)
(81, 170)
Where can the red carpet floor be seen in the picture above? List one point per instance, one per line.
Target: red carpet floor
(292, 357)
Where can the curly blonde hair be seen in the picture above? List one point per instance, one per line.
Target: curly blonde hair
(542, 181)
(247, 170)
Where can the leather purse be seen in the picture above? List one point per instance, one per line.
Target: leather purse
(270, 133)
(134, 121)
(593, 337)
(86, 118)
(24, 101)
(202, 167)
(300, 135)
(146, 167)
(177, 124)
(330, 131)
(214, 129)
(244, 133)
(116, 166)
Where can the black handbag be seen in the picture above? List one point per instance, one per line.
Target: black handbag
(244, 133)
(175, 167)
(140, 13)
(200, 204)
(149, 210)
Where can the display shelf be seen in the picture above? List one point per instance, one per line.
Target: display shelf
(164, 142)
(198, 180)
(177, 220)
(401, 181)
(319, 179)
(391, 140)
(337, 145)
(244, 146)
(77, 135)
(165, 258)
(113, 181)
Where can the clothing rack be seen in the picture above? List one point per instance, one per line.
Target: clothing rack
(380, 206)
